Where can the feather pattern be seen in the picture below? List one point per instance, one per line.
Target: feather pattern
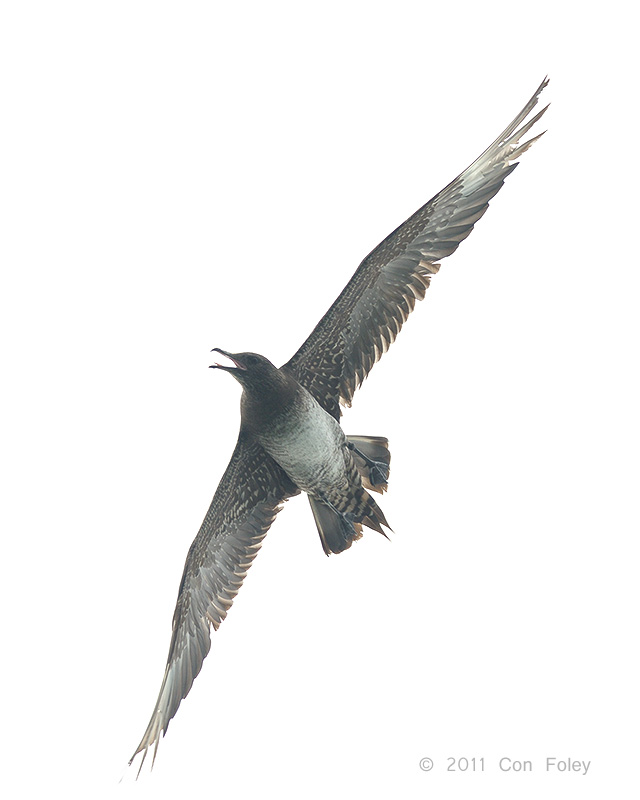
(370, 311)
(331, 364)
(245, 504)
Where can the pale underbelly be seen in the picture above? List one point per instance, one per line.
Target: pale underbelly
(310, 449)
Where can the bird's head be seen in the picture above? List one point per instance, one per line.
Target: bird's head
(252, 371)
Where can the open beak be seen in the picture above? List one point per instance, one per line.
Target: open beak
(231, 357)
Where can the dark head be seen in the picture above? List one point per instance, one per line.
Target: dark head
(266, 389)
(251, 370)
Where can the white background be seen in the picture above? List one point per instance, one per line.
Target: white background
(179, 176)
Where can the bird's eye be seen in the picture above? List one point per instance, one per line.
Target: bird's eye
(251, 360)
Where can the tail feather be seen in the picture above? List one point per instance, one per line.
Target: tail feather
(339, 518)
(336, 532)
(339, 530)
(376, 519)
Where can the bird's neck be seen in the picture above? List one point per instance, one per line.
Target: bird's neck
(262, 407)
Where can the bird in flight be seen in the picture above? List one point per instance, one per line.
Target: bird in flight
(290, 438)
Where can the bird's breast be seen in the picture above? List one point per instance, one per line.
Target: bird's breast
(308, 443)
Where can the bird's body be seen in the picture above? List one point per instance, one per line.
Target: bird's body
(308, 443)
(290, 438)
(299, 434)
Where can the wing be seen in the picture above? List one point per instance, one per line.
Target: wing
(245, 504)
(370, 311)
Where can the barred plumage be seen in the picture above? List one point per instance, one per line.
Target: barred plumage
(290, 439)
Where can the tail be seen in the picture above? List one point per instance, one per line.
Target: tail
(340, 522)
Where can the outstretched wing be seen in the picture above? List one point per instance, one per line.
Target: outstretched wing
(368, 314)
(245, 504)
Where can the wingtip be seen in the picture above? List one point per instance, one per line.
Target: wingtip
(536, 97)
(541, 88)
(144, 750)
(133, 758)
(151, 738)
